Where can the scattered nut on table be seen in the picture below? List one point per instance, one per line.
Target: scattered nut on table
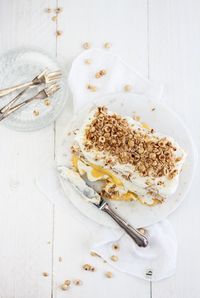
(128, 88)
(58, 10)
(88, 267)
(54, 18)
(91, 88)
(64, 287)
(86, 45)
(59, 33)
(115, 246)
(48, 10)
(36, 113)
(109, 274)
(67, 282)
(114, 258)
(77, 282)
(107, 45)
(45, 274)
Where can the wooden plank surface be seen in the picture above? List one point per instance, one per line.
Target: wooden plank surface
(161, 39)
(174, 58)
(25, 215)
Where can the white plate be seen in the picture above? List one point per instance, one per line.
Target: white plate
(162, 120)
(19, 66)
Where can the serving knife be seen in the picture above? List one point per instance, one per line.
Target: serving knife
(93, 197)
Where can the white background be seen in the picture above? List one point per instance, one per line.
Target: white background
(161, 38)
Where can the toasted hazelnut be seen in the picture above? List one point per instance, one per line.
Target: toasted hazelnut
(109, 274)
(128, 88)
(88, 61)
(45, 274)
(114, 258)
(86, 45)
(67, 282)
(107, 45)
(64, 287)
(77, 282)
(115, 246)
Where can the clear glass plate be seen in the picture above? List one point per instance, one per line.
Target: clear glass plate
(19, 66)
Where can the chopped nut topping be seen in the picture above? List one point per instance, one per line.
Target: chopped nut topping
(150, 155)
(64, 287)
(128, 88)
(114, 258)
(88, 61)
(91, 88)
(86, 45)
(109, 274)
(77, 282)
(88, 267)
(45, 274)
(107, 45)
(100, 73)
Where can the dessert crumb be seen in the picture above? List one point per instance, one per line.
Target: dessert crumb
(54, 18)
(58, 10)
(86, 45)
(67, 282)
(88, 61)
(107, 45)
(109, 274)
(77, 282)
(59, 33)
(88, 267)
(91, 88)
(114, 258)
(115, 246)
(36, 113)
(45, 274)
(48, 10)
(64, 287)
(128, 88)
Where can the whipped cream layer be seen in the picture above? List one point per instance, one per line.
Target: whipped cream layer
(148, 188)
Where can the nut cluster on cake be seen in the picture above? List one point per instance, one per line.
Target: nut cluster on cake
(150, 155)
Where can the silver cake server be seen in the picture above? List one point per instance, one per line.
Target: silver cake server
(93, 197)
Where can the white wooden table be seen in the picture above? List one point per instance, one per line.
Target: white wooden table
(161, 39)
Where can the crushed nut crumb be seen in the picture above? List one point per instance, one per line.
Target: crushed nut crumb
(128, 88)
(115, 246)
(100, 73)
(67, 282)
(88, 61)
(107, 45)
(64, 287)
(54, 18)
(58, 10)
(59, 33)
(36, 113)
(94, 254)
(88, 267)
(48, 10)
(109, 274)
(47, 102)
(86, 45)
(77, 282)
(114, 258)
(91, 88)
(45, 274)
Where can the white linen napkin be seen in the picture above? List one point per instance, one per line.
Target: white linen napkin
(158, 260)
